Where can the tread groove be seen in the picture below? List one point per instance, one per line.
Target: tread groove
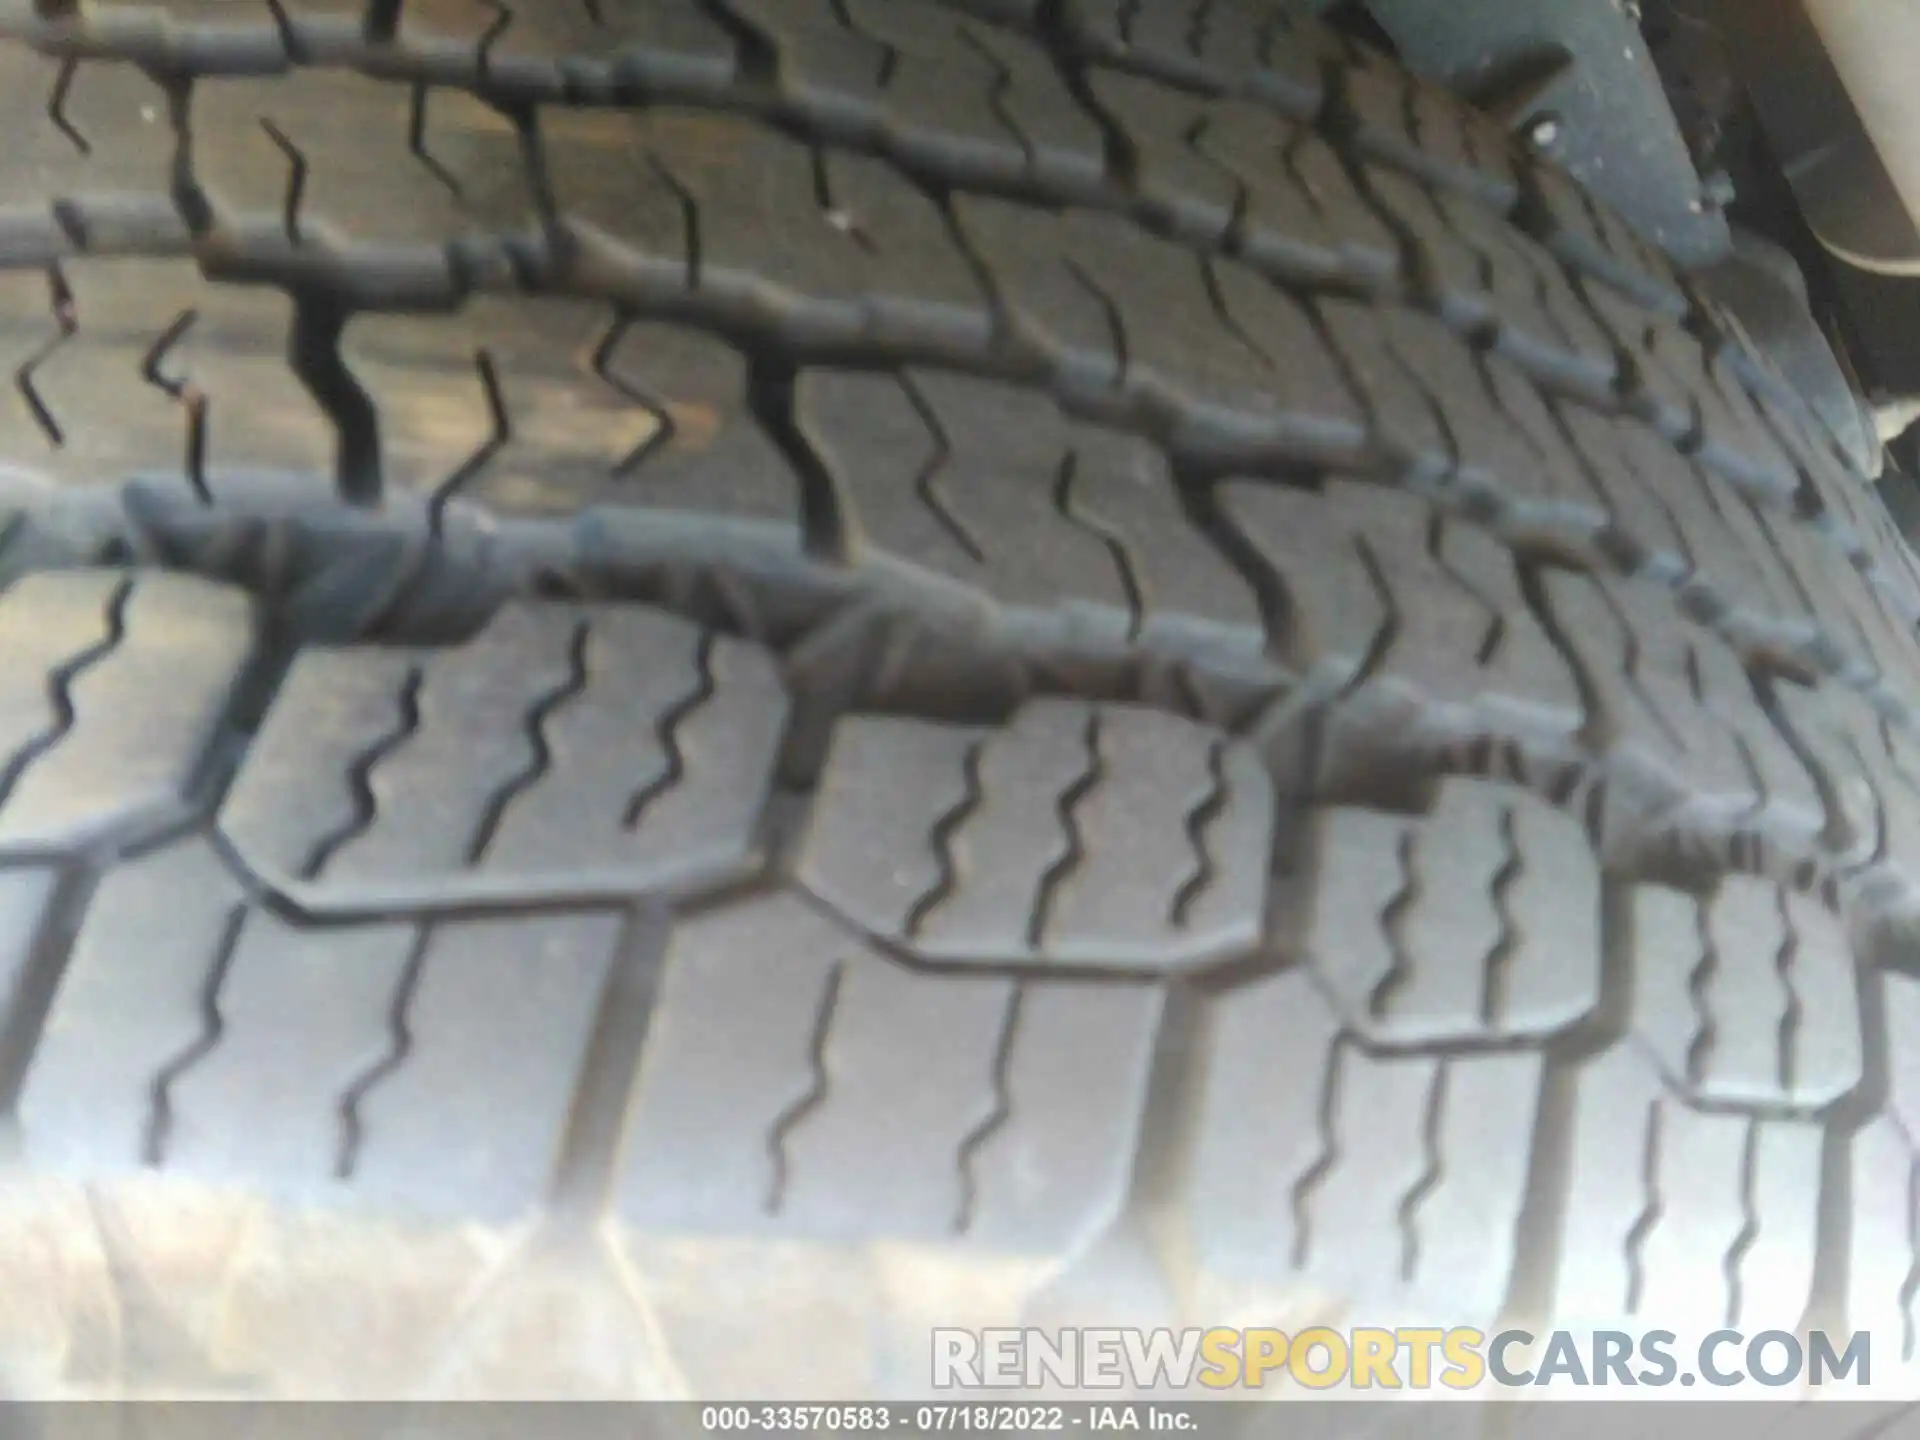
(57, 105)
(213, 1026)
(1701, 980)
(1072, 853)
(366, 803)
(417, 144)
(60, 683)
(1498, 970)
(188, 395)
(499, 434)
(61, 299)
(1111, 540)
(674, 763)
(823, 510)
(1314, 1176)
(1652, 1208)
(1393, 919)
(1749, 1233)
(926, 483)
(297, 171)
(539, 748)
(665, 426)
(1198, 823)
(796, 1114)
(1407, 1213)
(1790, 1008)
(1910, 1283)
(996, 1118)
(941, 838)
(314, 353)
(352, 1101)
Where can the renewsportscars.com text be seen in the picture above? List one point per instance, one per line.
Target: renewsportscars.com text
(1321, 1358)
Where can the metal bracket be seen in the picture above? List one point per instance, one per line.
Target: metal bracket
(1573, 77)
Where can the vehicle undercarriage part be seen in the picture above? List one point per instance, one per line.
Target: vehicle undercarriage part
(1871, 47)
(1825, 79)
(1578, 81)
(1642, 100)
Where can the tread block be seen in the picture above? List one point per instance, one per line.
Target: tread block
(1830, 469)
(1226, 167)
(114, 690)
(1851, 621)
(1652, 494)
(1418, 127)
(498, 1023)
(1726, 694)
(889, 1057)
(566, 750)
(1478, 921)
(1115, 307)
(361, 176)
(1725, 534)
(990, 486)
(1900, 996)
(1852, 615)
(194, 14)
(1485, 284)
(844, 239)
(1677, 388)
(823, 55)
(797, 1083)
(1400, 412)
(1290, 46)
(304, 1015)
(1075, 835)
(108, 130)
(1883, 1251)
(650, 415)
(1489, 271)
(1487, 416)
(1883, 1186)
(1379, 576)
(1748, 998)
(669, 41)
(1240, 46)
(132, 1003)
(1668, 365)
(318, 1065)
(1163, 126)
(1521, 446)
(1868, 772)
(567, 434)
(645, 211)
(1650, 672)
(142, 367)
(1590, 238)
(1340, 610)
(25, 897)
(1692, 1220)
(1014, 111)
(710, 455)
(1736, 437)
(1318, 1170)
(939, 86)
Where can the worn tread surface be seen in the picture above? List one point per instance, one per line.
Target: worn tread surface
(1058, 660)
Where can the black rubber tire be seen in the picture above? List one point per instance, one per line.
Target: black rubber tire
(1299, 727)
